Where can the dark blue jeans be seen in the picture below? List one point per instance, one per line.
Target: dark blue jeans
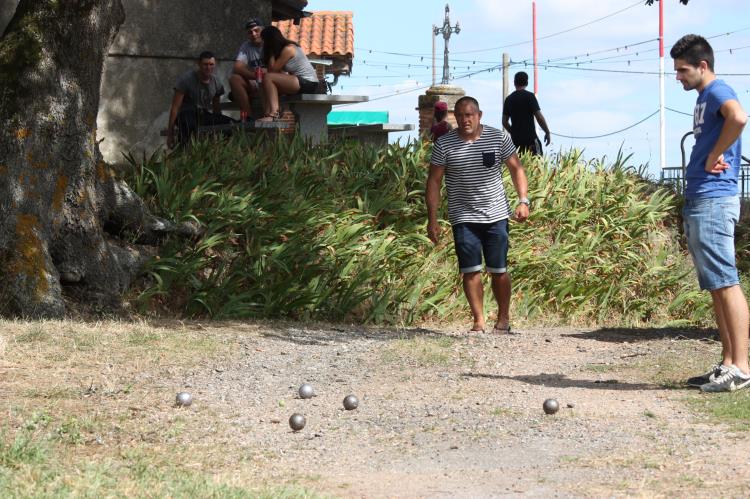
(188, 121)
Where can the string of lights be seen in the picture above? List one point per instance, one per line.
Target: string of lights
(678, 112)
(630, 45)
(610, 133)
(423, 55)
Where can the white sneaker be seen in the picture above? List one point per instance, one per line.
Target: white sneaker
(730, 380)
(716, 370)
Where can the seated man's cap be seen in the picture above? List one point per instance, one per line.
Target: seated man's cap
(441, 106)
(253, 22)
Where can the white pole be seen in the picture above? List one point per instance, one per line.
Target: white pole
(662, 123)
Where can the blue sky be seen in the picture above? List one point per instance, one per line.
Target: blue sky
(576, 101)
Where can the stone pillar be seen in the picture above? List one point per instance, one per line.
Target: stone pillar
(446, 93)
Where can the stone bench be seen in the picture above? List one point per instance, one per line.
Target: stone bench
(374, 134)
(311, 111)
(248, 126)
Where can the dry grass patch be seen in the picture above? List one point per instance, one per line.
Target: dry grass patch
(422, 351)
(89, 413)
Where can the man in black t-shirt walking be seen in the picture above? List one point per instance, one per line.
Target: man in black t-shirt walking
(519, 111)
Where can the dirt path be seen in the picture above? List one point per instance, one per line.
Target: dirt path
(443, 415)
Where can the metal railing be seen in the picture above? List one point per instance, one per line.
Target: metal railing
(676, 175)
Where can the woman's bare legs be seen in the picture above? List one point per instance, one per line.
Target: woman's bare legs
(274, 85)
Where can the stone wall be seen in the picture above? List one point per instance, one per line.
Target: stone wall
(159, 40)
(426, 108)
(7, 9)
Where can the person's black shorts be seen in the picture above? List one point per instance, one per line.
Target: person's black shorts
(535, 148)
(308, 87)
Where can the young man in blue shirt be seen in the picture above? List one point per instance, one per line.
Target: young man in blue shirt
(712, 207)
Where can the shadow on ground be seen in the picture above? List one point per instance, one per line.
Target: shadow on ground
(338, 334)
(562, 381)
(310, 334)
(631, 335)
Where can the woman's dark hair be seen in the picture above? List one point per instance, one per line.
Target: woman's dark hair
(273, 43)
(440, 115)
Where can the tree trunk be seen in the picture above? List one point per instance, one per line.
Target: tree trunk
(62, 211)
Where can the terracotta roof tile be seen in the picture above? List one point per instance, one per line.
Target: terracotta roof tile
(326, 33)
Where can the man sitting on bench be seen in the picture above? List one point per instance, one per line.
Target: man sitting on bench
(196, 101)
(247, 68)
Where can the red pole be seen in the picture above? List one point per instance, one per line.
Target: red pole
(661, 29)
(533, 16)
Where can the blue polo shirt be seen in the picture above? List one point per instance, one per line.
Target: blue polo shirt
(707, 124)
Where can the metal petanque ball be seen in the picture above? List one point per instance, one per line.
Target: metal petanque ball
(297, 421)
(550, 406)
(351, 402)
(183, 399)
(306, 391)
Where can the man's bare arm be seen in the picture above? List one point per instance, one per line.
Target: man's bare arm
(173, 111)
(241, 68)
(518, 175)
(506, 122)
(735, 119)
(543, 123)
(432, 198)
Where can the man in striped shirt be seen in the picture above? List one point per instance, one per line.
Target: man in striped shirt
(470, 157)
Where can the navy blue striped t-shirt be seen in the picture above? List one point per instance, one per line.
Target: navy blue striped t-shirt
(473, 175)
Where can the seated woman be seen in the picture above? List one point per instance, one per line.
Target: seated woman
(289, 71)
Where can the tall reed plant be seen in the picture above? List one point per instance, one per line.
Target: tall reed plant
(337, 232)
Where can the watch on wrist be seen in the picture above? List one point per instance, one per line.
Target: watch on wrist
(524, 201)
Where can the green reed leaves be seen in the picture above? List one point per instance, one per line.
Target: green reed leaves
(337, 232)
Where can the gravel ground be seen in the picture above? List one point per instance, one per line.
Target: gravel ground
(444, 414)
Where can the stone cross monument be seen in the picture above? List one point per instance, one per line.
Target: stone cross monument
(446, 30)
(444, 92)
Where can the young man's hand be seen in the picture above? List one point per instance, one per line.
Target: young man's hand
(433, 231)
(716, 164)
(522, 212)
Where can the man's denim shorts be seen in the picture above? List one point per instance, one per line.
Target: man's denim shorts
(709, 227)
(473, 239)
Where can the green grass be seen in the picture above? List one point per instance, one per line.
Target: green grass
(33, 335)
(600, 368)
(421, 351)
(32, 466)
(337, 232)
(731, 408)
(503, 412)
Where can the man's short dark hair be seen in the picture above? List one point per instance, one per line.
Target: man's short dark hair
(521, 79)
(206, 54)
(467, 100)
(693, 49)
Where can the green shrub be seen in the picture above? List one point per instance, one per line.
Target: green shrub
(337, 232)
